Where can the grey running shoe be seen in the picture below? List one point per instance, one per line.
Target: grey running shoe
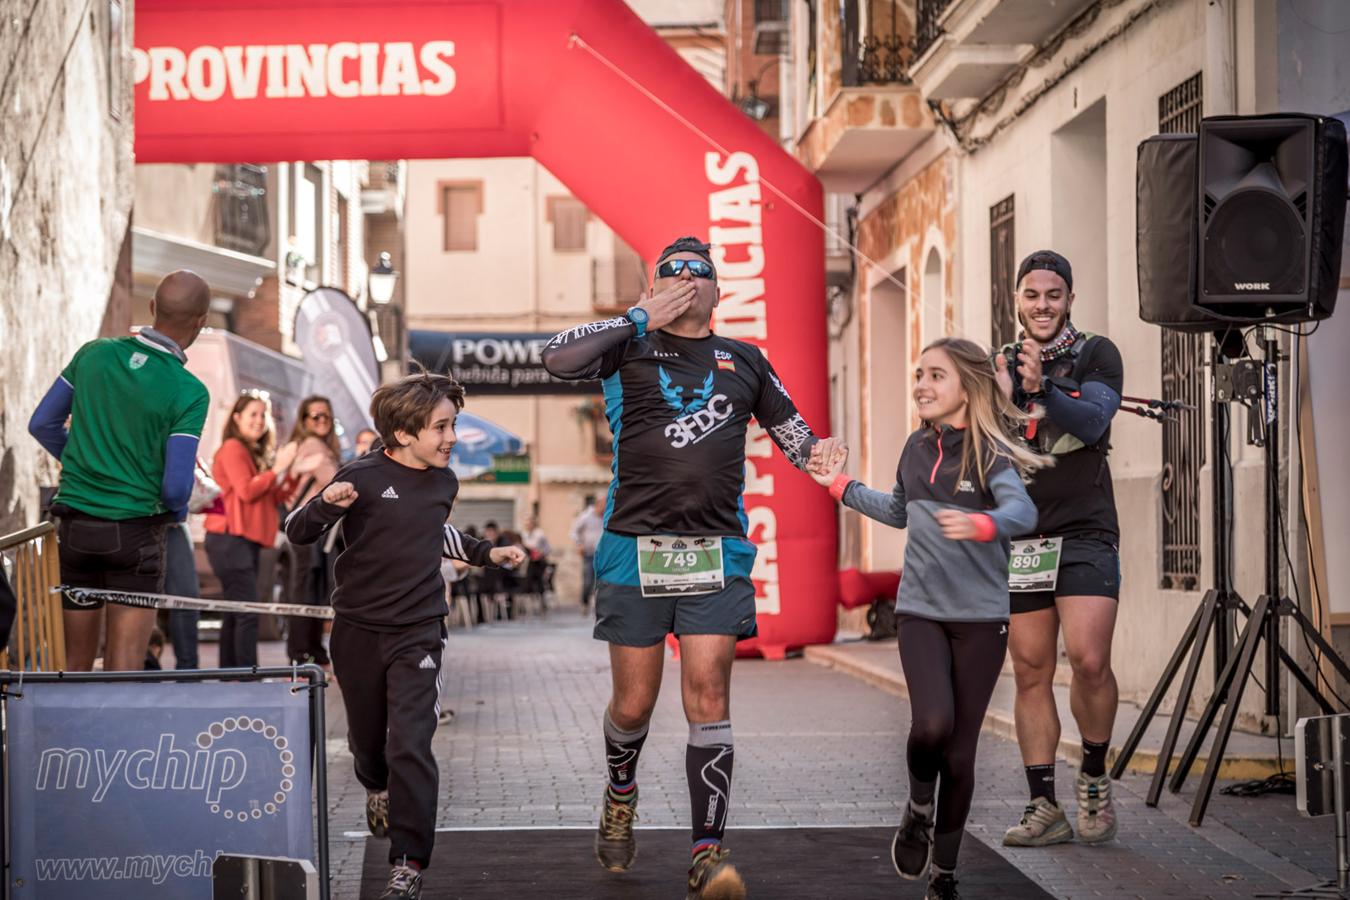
(942, 887)
(614, 843)
(912, 847)
(405, 883)
(711, 877)
(1096, 812)
(1043, 823)
(377, 813)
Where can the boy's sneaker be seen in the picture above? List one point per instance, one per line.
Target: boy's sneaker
(711, 877)
(1096, 812)
(377, 813)
(405, 883)
(912, 847)
(614, 843)
(942, 887)
(1043, 823)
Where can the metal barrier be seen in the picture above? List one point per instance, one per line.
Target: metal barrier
(39, 638)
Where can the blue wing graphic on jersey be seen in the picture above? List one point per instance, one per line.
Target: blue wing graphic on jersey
(674, 395)
(702, 395)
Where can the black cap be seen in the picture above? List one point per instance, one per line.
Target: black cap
(687, 245)
(1050, 261)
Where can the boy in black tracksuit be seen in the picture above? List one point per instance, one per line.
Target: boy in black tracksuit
(389, 630)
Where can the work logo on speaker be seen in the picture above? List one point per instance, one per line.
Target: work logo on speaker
(133, 790)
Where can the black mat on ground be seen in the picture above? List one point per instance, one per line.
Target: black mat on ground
(786, 864)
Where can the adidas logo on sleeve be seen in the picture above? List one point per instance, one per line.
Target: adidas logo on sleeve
(427, 662)
(390, 493)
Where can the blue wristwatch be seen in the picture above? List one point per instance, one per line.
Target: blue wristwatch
(638, 316)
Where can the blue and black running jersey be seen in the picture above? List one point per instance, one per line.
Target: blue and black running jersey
(679, 409)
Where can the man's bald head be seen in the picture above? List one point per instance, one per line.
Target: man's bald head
(180, 306)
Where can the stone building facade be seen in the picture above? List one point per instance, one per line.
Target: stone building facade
(65, 213)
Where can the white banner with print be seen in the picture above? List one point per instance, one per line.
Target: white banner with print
(131, 790)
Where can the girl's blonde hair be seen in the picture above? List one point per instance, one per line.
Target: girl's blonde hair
(994, 422)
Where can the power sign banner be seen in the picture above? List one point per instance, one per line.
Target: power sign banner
(596, 96)
(120, 791)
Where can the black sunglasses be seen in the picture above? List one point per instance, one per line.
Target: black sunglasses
(319, 417)
(672, 268)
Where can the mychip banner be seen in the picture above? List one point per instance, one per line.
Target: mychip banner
(131, 790)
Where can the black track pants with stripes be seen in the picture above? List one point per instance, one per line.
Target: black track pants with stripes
(389, 683)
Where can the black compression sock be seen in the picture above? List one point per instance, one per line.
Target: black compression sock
(621, 756)
(1041, 781)
(1094, 758)
(707, 763)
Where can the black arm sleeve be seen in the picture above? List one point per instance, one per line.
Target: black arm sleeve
(775, 410)
(465, 548)
(590, 351)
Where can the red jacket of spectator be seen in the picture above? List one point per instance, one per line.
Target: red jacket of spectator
(251, 497)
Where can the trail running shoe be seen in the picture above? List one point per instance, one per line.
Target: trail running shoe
(1043, 823)
(942, 887)
(377, 813)
(711, 877)
(614, 844)
(1096, 812)
(405, 883)
(912, 847)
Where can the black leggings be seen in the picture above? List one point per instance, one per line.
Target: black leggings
(951, 669)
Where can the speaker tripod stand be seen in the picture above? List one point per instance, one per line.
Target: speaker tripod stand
(1254, 383)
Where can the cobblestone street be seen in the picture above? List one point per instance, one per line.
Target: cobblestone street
(814, 747)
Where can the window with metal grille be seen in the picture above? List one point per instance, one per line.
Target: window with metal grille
(460, 203)
(1183, 438)
(241, 208)
(1002, 271)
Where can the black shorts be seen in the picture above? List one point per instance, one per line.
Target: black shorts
(105, 554)
(624, 616)
(1089, 566)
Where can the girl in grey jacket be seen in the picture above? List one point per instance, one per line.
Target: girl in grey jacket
(959, 492)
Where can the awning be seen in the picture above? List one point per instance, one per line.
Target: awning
(478, 441)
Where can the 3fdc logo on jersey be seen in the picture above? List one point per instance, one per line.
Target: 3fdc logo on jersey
(132, 790)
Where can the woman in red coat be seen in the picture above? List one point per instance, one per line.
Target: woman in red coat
(252, 483)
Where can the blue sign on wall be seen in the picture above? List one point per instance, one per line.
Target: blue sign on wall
(132, 790)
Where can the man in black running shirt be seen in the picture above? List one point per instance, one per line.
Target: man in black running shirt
(1075, 379)
(674, 557)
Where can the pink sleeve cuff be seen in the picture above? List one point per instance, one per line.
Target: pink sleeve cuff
(985, 529)
(841, 483)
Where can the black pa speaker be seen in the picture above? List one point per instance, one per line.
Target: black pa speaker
(1242, 225)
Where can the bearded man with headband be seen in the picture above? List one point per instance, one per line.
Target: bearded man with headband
(1075, 379)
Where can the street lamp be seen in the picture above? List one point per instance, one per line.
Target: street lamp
(380, 281)
(755, 106)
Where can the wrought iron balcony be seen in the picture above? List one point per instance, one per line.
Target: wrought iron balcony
(927, 14)
(875, 52)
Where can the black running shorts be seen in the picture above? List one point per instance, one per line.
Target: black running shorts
(624, 616)
(126, 555)
(1089, 566)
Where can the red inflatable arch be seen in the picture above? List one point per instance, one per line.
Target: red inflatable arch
(592, 93)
